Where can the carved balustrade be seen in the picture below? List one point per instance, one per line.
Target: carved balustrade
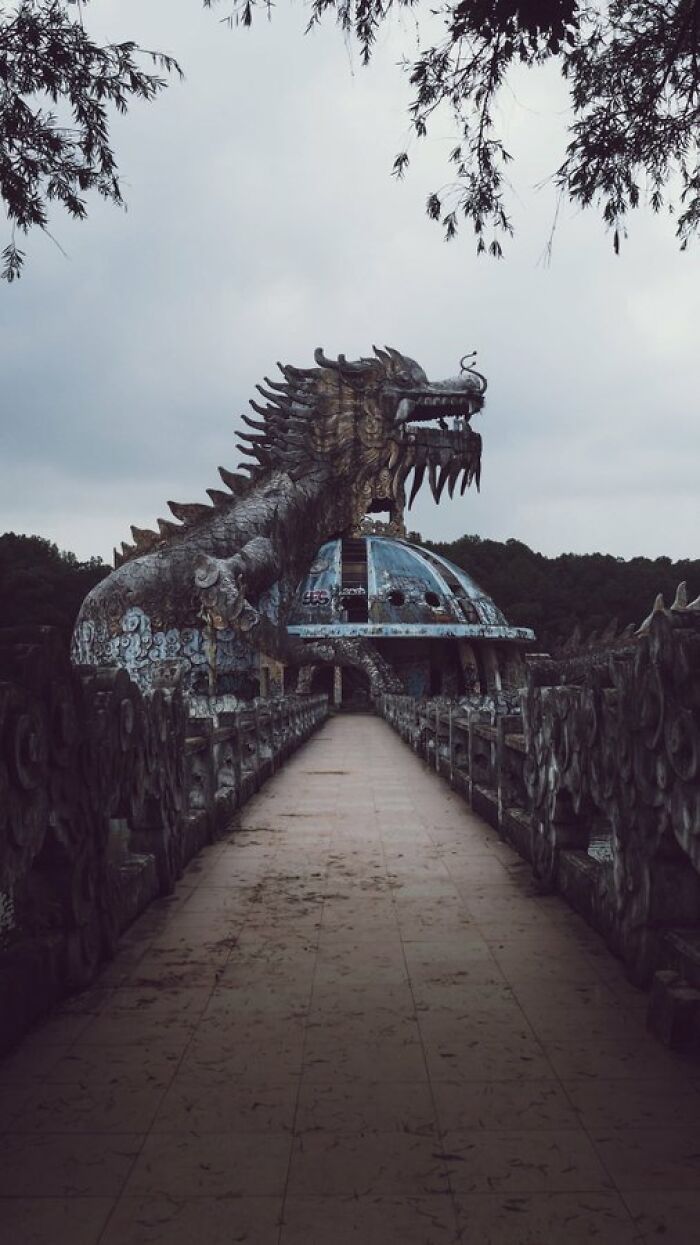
(105, 793)
(597, 782)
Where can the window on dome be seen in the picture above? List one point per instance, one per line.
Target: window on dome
(432, 599)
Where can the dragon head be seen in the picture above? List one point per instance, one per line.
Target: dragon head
(359, 428)
(374, 420)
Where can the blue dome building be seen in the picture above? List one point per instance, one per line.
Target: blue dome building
(431, 621)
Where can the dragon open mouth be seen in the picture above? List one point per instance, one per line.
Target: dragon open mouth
(443, 452)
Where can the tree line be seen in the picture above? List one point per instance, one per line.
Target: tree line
(41, 584)
(556, 595)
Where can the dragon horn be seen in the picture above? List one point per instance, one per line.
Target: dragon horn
(341, 364)
(322, 361)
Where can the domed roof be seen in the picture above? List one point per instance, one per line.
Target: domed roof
(382, 586)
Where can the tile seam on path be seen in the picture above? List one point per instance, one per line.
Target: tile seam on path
(176, 1067)
(300, 1077)
(438, 1129)
(555, 1078)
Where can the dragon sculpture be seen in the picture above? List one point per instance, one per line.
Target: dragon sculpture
(330, 444)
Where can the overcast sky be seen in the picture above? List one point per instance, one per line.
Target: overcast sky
(262, 221)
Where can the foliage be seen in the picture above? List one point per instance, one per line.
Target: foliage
(633, 72)
(555, 595)
(632, 68)
(54, 134)
(40, 585)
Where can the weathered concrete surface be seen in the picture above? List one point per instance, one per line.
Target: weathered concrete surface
(354, 1021)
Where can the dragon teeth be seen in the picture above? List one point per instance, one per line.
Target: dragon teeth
(417, 481)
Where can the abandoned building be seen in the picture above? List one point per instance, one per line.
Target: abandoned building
(434, 626)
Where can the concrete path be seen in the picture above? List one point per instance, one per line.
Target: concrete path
(354, 1022)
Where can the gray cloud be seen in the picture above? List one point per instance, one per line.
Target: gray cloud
(262, 222)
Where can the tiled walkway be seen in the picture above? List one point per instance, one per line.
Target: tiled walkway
(354, 1022)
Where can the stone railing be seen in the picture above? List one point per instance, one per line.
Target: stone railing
(597, 782)
(105, 793)
(481, 752)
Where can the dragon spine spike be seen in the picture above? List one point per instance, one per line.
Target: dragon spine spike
(262, 410)
(277, 399)
(166, 528)
(680, 601)
(188, 511)
(144, 538)
(254, 423)
(127, 550)
(255, 451)
(279, 386)
(694, 605)
(254, 438)
(231, 480)
(218, 497)
(117, 558)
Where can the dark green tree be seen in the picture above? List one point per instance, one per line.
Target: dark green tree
(632, 68)
(57, 87)
(556, 595)
(40, 585)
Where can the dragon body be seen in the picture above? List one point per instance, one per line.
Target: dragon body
(329, 444)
